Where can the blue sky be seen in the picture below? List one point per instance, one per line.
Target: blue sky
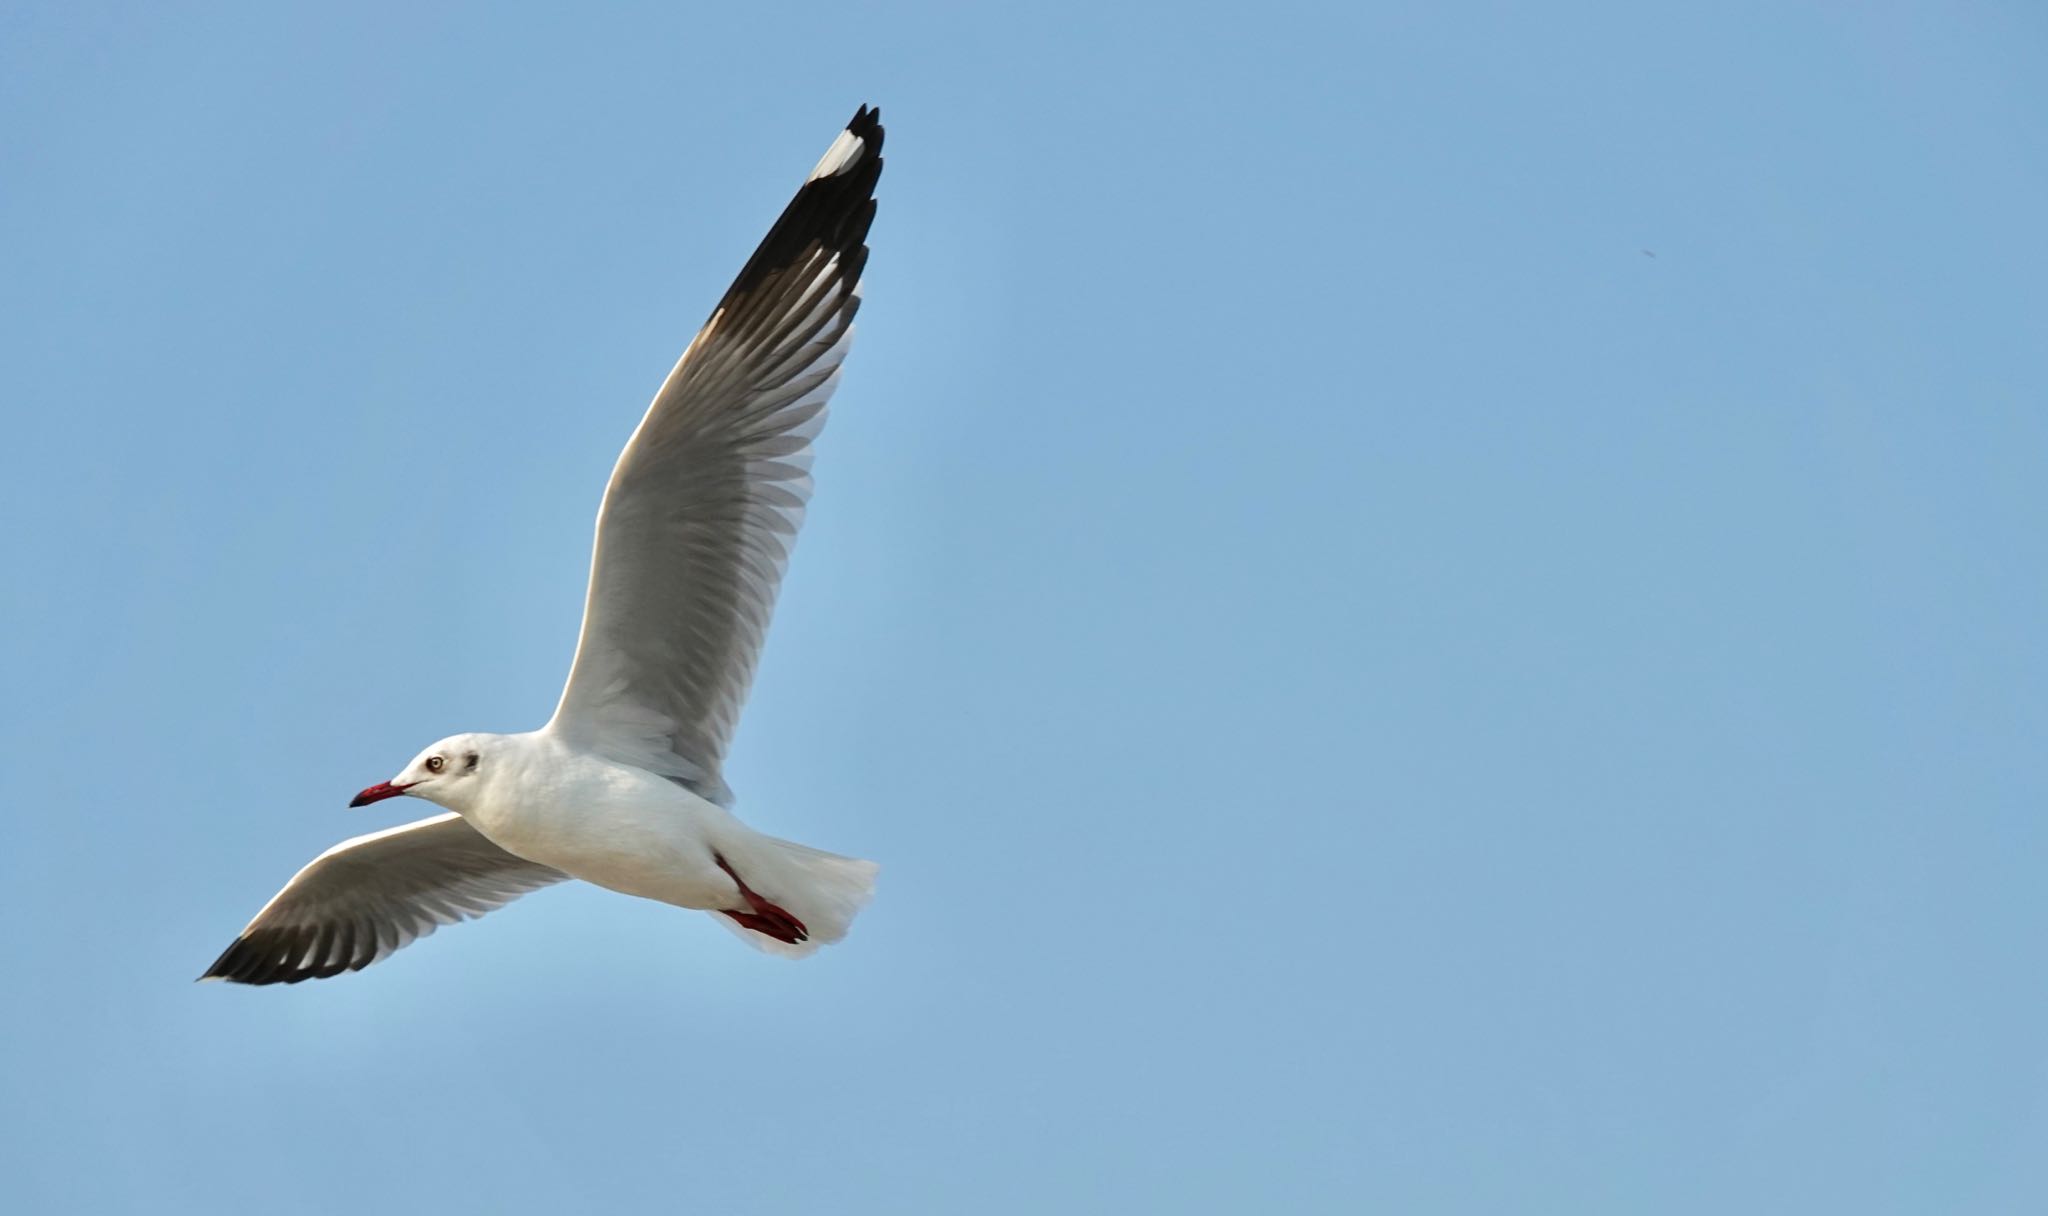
(1372, 692)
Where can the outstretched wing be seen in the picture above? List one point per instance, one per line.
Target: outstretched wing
(704, 504)
(364, 898)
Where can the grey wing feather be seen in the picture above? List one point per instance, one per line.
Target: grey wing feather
(366, 898)
(704, 504)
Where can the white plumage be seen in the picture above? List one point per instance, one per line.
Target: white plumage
(623, 787)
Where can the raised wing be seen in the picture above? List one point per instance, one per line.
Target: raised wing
(705, 502)
(365, 898)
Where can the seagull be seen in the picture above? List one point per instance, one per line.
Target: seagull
(622, 787)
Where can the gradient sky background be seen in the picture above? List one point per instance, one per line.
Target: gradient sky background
(1372, 692)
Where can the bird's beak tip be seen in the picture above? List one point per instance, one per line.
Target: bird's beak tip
(378, 793)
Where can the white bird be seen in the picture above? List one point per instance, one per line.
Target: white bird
(622, 787)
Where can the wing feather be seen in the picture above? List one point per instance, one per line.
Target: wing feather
(704, 505)
(368, 897)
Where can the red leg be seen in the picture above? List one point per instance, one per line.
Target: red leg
(766, 917)
(761, 924)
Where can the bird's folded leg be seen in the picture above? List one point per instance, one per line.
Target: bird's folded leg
(766, 917)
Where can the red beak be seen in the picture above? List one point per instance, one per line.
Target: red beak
(379, 792)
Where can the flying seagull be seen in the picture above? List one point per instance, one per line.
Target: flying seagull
(622, 786)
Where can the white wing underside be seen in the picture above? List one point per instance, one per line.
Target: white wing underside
(704, 505)
(365, 898)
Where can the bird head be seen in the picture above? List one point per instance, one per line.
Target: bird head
(445, 773)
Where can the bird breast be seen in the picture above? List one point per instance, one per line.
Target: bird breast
(608, 823)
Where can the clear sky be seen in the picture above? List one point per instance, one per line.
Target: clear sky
(1429, 607)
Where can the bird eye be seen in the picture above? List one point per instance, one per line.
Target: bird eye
(435, 764)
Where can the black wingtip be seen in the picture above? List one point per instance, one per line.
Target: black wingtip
(275, 956)
(219, 969)
(832, 209)
(238, 964)
(867, 125)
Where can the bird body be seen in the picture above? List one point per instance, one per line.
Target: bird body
(624, 828)
(595, 819)
(623, 787)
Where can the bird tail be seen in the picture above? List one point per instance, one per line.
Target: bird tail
(823, 890)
